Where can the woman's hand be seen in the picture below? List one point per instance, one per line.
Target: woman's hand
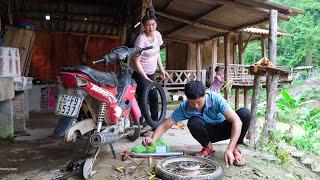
(164, 75)
(146, 78)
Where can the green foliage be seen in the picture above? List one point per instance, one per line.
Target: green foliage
(163, 57)
(272, 146)
(297, 110)
(312, 121)
(7, 141)
(301, 46)
(252, 53)
(306, 143)
(287, 106)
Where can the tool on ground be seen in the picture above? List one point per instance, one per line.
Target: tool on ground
(126, 154)
(118, 169)
(137, 167)
(148, 173)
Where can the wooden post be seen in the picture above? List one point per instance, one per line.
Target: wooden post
(253, 129)
(226, 61)
(214, 56)
(254, 107)
(237, 99)
(234, 54)
(270, 121)
(84, 51)
(263, 49)
(198, 65)
(245, 97)
(240, 47)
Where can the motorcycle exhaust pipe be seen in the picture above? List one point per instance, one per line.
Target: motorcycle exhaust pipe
(102, 138)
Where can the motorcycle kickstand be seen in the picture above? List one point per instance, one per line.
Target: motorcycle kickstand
(112, 150)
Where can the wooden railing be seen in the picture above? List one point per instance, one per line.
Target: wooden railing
(178, 78)
(240, 74)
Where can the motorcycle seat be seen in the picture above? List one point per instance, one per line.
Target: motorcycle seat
(103, 78)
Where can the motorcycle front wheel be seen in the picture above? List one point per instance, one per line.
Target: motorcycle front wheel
(187, 168)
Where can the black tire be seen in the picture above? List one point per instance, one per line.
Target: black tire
(145, 108)
(164, 174)
(136, 133)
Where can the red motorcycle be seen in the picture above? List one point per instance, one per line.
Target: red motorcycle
(100, 106)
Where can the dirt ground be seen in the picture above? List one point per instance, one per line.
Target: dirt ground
(38, 156)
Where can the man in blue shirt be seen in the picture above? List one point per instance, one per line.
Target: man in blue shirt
(211, 119)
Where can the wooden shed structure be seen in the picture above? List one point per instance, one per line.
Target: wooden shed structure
(72, 32)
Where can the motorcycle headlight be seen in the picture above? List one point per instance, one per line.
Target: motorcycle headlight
(81, 81)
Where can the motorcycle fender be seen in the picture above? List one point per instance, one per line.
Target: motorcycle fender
(64, 124)
(135, 111)
(83, 127)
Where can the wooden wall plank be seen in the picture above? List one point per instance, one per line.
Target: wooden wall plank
(67, 50)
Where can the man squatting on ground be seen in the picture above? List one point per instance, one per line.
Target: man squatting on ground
(210, 119)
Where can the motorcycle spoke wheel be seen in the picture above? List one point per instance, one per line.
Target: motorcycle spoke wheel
(188, 167)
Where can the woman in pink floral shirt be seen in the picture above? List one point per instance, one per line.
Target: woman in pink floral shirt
(146, 64)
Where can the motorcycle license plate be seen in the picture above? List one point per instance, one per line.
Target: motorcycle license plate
(68, 105)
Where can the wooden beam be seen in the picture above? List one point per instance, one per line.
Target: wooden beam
(247, 42)
(168, 4)
(269, 6)
(177, 40)
(73, 21)
(235, 4)
(81, 34)
(196, 19)
(54, 14)
(196, 24)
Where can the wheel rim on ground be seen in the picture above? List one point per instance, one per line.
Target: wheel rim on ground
(188, 167)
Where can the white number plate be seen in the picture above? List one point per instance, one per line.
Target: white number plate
(68, 105)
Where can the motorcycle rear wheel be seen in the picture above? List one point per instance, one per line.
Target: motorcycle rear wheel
(154, 123)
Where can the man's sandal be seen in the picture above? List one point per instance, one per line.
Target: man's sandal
(205, 152)
(239, 159)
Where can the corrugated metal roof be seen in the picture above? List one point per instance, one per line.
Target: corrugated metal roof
(201, 20)
(261, 31)
(180, 20)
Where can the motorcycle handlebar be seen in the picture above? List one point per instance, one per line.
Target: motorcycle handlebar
(113, 56)
(146, 48)
(104, 59)
(98, 61)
